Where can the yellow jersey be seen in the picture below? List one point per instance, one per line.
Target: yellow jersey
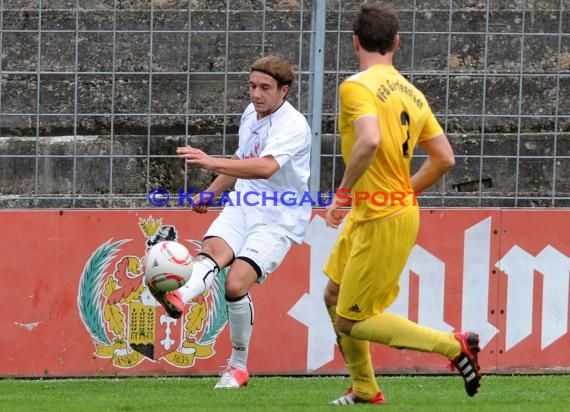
(404, 119)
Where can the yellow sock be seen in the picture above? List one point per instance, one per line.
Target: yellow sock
(399, 332)
(356, 354)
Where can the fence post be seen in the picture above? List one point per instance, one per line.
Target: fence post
(318, 23)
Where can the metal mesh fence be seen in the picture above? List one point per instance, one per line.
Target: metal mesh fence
(97, 94)
(497, 76)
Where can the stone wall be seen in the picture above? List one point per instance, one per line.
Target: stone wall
(94, 100)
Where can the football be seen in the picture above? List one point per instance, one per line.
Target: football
(168, 266)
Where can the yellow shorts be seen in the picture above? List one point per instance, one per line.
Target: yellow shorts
(367, 260)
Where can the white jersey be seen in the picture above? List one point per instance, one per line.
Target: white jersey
(286, 136)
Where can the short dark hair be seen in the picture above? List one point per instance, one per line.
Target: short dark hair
(280, 69)
(376, 27)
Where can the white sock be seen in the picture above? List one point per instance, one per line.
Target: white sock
(241, 324)
(203, 274)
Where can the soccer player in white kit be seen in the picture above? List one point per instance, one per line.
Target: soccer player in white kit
(255, 230)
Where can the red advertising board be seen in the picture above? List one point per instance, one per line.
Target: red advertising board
(74, 303)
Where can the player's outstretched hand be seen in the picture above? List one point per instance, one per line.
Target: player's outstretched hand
(196, 157)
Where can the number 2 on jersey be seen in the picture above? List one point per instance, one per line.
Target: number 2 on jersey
(405, 120)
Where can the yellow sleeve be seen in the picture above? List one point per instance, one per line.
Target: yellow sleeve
(356, 100)
(431, 128)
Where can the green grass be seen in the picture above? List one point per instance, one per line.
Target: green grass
(417, 393)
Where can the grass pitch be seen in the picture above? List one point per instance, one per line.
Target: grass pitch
(405, 393)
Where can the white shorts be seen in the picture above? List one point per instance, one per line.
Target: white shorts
(251, 239)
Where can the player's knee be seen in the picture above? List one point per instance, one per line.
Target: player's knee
(236, 287)
(233, 290)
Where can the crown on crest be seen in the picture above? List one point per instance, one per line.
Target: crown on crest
(150, 226)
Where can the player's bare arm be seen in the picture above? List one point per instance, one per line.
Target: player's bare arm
(255, 168)
(220, 184)
(440, 160)
(367, 142)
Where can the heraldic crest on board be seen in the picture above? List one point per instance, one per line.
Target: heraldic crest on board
(126, 323)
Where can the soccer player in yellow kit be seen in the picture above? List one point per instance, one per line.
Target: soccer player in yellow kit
(382, 118)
